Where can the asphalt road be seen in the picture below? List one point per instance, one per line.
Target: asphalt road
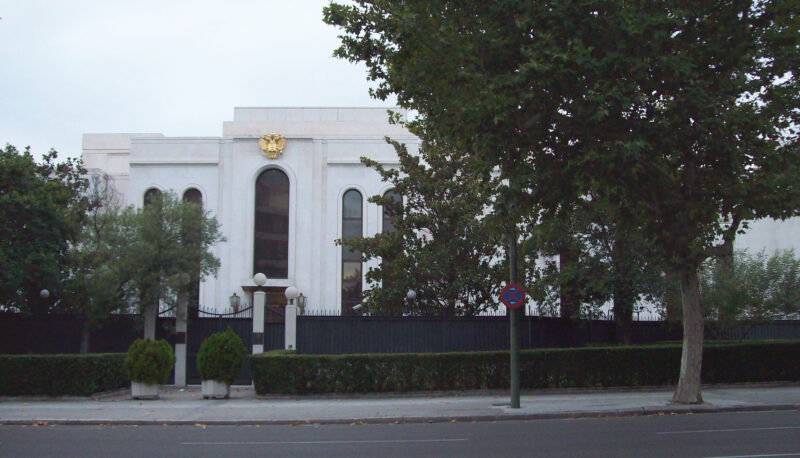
(741, 434)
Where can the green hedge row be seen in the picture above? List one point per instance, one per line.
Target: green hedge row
(546, 368)
(57, 375)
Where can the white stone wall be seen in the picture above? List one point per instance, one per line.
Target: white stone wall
(321, 160)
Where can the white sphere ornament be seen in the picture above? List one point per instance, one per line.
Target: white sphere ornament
(411, 294)
(44, 294)
(260, 279)
(292, 293)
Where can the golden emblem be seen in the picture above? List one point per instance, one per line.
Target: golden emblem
(272, 145)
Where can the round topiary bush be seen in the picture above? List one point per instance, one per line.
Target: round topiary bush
(221, 357)
(149, 361)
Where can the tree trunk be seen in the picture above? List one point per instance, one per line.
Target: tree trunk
(623, 314)
(672, 298)
(688, 391)
(84, 337)
(150, 312)
(568, 289)
(622, 291)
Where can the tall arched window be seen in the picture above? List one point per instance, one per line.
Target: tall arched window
(271, 236)
(151, 195)
(389, 213)
(193, 195)
(352, 224)
(191, 232)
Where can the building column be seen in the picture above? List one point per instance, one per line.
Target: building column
(259, 301)
(181, 313)
(290, 329)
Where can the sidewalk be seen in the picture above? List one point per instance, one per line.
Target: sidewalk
(186, 406)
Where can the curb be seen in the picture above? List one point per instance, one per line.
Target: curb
(643, 411)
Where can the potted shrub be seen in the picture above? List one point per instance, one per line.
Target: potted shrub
(148, 364)
(219, 361)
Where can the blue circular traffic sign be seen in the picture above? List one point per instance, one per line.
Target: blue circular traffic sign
(512, 295)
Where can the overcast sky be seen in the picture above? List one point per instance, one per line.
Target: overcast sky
(168, 66)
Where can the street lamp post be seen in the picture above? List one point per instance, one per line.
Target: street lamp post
(290, 319)
(411, 295)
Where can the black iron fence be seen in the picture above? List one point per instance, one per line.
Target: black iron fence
(21, 334)
(352, 334)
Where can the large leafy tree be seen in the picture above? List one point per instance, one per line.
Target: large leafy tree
(440, 245)
(43, 206)
(165, 246)
(580, 262)
(93, 278)
(683, 114)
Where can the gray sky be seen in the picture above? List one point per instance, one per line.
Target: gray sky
(174, 67)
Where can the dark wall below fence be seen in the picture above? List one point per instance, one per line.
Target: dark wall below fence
(351, 334)
(21, 334)
(49, 334)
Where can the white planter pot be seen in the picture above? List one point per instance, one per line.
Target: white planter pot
(141, 390)
(213, 389)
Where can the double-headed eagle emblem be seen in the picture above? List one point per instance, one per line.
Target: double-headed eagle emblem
(272, 145)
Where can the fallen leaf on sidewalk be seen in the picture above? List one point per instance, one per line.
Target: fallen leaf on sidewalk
(39, 423)
(200, 425)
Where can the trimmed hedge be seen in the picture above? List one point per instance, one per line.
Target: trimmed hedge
(546, 368)
(57, 375)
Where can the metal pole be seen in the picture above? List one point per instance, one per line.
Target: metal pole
(514, 319)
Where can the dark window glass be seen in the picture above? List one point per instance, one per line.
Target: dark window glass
(389, 212)
(196, 197)
(352, 224)
(151, 195)
(271, 244)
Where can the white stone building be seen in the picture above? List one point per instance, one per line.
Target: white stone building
(280, 216)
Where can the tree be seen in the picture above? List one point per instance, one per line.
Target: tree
(93, 280)
(163, 244)
(754, 289)
(43, 206)
(440, 246)
(607, 261)
(682, 114)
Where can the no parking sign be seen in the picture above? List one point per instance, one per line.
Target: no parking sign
(512, 295)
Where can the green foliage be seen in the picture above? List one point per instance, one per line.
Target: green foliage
(682, 115)
(546, 368)
(59, 375)
(753, 289)
(93, 280)
(43, 207)
(221, 357)
(166, 247)
(149, 361)
(441, 246)
(588, 255)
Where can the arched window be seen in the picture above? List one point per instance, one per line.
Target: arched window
(193, 195)
(389, 213)
(151, 195)
(192, 232)
(271, 236)
(352, 224)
